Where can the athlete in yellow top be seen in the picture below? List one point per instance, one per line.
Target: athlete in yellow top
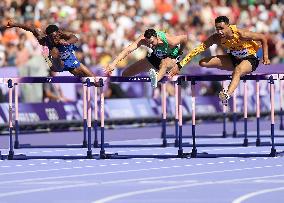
(241, 46)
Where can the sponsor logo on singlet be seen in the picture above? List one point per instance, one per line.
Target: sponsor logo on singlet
(159, 53)
(240, 53)
(65, 55)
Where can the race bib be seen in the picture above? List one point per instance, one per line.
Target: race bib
(240, 54)
(65, 55)
(160, 53)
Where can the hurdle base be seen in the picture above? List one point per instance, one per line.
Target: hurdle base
(263, 144)
(103, 155)
(165, 143)
(16, 144)
(224, 134)
(107, 145)
(96, 144)
(26, 157)
(273, 152)
(21, 146)
(245, 143)
(206, 155)
(84, 144)
(258, 142)
(234, 134)
(89, 154)
(197, 136)
(195, 154)
(12, 156)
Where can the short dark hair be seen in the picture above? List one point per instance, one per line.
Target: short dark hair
(150, 33)
(50, 29)
(221, 19)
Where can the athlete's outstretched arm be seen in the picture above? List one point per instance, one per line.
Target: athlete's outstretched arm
(199, 49)
(213, 39)
(133, 46)
(36, 32)
(248, 35)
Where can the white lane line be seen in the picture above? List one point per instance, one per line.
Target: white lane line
(160, 189)
(253, 194)
(127, 171)
(45, 189)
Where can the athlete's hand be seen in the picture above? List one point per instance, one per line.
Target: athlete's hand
(63, 42)
(266, 61)
(108, 70)
(174, 71)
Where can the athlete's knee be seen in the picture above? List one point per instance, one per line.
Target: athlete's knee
(238, 72)
(166, 63)
(203, 62)
(126, 73)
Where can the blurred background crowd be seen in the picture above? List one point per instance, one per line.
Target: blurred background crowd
(105, 27)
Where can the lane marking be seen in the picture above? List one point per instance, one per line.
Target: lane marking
(256, 193)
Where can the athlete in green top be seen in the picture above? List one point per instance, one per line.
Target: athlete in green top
(166, 51)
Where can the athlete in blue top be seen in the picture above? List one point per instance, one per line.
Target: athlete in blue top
(61, 47)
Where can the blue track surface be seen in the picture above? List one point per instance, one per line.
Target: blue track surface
(142, 180)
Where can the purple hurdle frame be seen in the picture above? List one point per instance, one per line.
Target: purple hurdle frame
(58, 79)
(64, 79)
(281, 103)
(96, 143)
(103, 155)
(273, 152)
(163, 114)
(85, 115)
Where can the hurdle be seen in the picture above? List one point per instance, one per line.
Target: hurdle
(245, 117)
(103, 145)
(164, 143)
(59, 79)
(281, 77)
(258, 115)
(194, 153)
(224, 133)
